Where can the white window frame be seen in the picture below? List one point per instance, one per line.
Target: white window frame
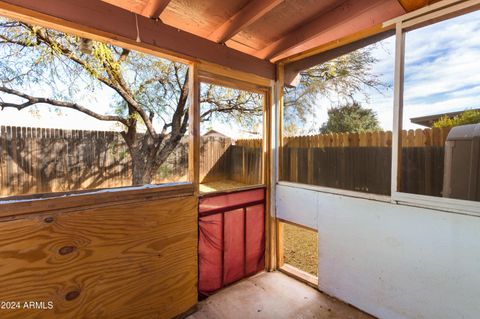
(438, 11)
(441, 11)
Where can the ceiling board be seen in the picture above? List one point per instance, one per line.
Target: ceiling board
(130, 5)
(200, 17)
(286, 17)
(250, 13)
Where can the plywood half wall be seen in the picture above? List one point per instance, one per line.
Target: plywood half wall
(122, 260)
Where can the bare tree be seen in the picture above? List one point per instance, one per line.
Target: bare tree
(339, 79)
(150, 94)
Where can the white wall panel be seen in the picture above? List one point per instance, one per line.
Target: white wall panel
(390, 260)
(297, 205)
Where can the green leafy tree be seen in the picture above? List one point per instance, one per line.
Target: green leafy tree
(464, 118)
(149, 94)
(340, 79)
(350, 118)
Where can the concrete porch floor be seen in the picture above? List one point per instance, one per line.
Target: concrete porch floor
(273, 295)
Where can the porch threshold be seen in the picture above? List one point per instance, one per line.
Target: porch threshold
(299, 275)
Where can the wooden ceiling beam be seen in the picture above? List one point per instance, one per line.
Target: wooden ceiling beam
(411, 5)
(347, 18)
(357, 36)
(253, 11)
(154, 8)
(105, 22)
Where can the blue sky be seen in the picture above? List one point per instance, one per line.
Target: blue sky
(442, 74)
(442, 67)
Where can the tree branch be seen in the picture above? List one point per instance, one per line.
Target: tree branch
(120, 87)
(31, 100)
(124, 55)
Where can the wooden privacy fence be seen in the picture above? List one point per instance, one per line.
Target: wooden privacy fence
(34, 160)
(362, 161)
(39, 160)
(240, 162)
(410, 138)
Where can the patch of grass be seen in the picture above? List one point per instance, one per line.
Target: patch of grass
(300, 248)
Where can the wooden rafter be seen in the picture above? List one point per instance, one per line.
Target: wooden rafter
(154, 8)
(357, 36)
(253, 11)
(411, 5)
(347, 18)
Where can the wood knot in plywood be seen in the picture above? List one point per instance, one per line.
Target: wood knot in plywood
(66, 250)
(72, 295)
(49, 219)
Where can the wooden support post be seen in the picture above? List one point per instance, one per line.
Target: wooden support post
(280, 246)
(278, 156)
(194, 128)
(398, 108)
(270, 224)
(279, 96)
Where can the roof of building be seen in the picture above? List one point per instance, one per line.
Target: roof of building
(213, 132)
(428, 120)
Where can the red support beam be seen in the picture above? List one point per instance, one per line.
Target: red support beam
(345, 19)
(253, 11)
(154, 8)
(115, 24)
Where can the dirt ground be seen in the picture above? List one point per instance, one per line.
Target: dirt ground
(300, 248)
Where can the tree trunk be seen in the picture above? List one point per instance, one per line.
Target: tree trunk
(141, 171)
(145, 168)
(146, 160)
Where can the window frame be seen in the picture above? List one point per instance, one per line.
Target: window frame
(278, 125)
(193, 86)
(402, 26)
(218, 77)
(431, 14)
